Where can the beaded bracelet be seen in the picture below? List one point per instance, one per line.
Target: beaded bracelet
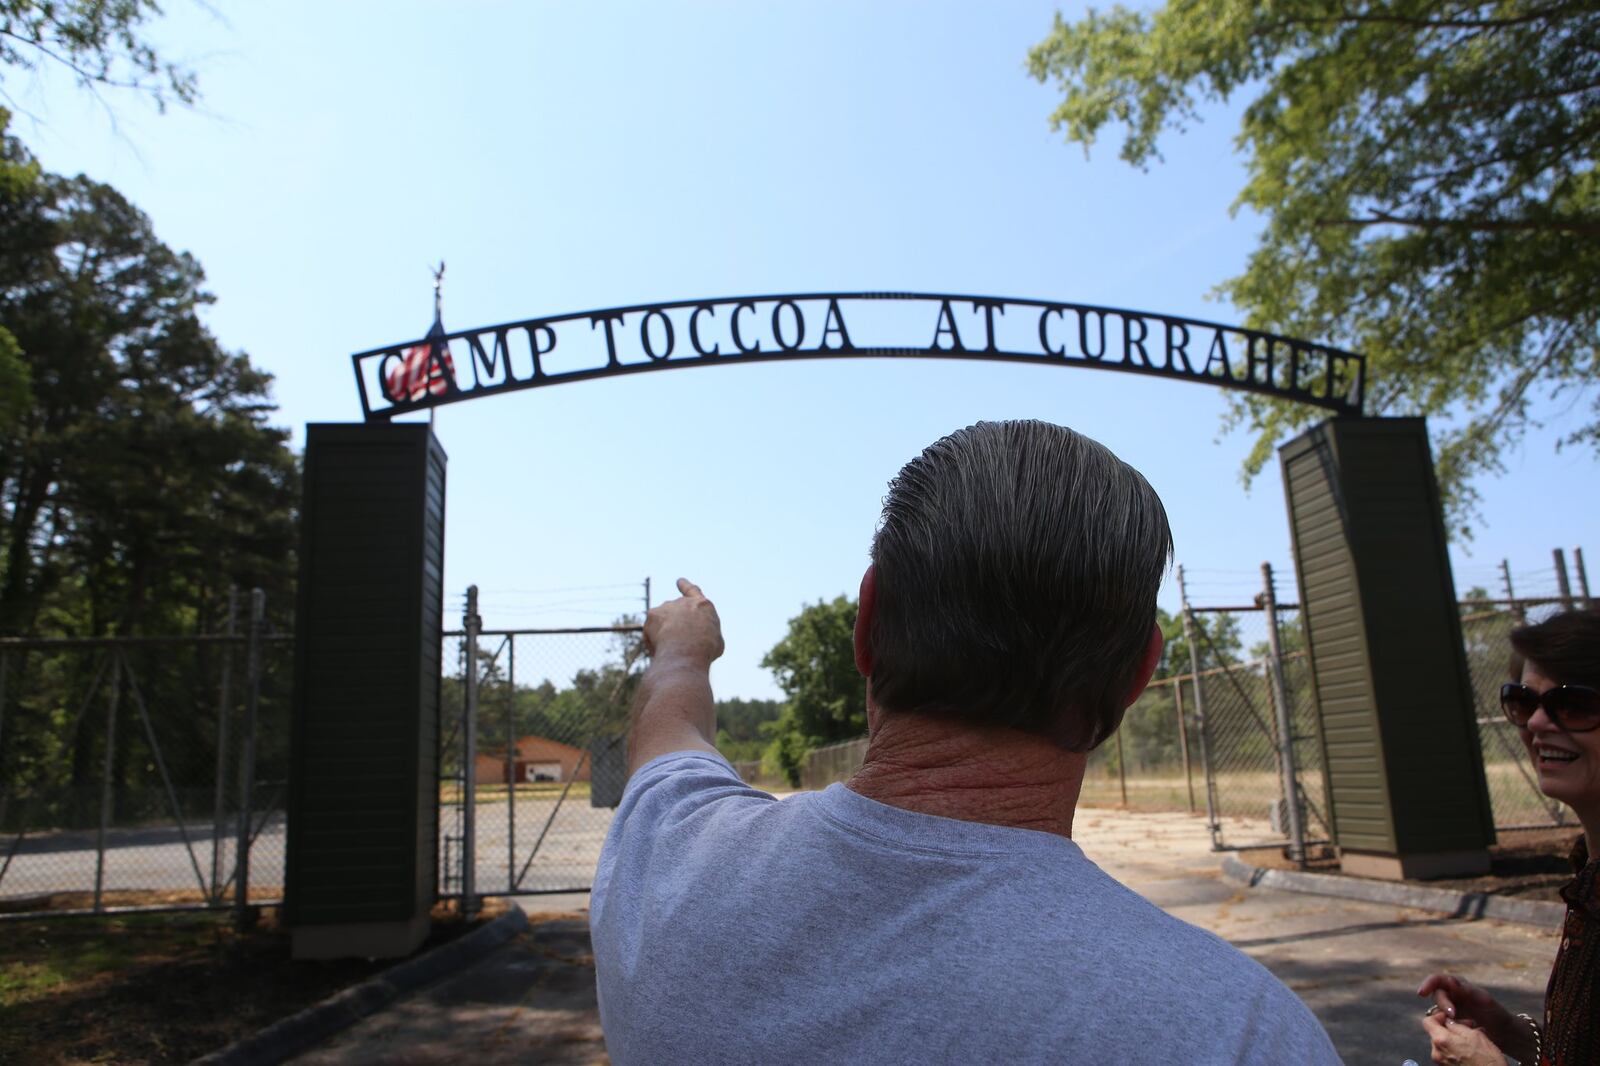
(1538, 1039)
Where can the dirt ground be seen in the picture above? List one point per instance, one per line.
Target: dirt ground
(1525, 864)
(158, 988)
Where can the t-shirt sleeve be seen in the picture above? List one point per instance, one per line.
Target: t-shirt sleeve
(1285, 1031)
(670, 803)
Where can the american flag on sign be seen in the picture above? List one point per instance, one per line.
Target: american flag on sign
(424, 369)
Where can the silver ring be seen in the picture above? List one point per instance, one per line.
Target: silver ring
(1431, 1011)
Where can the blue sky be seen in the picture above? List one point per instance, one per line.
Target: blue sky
(562, 157)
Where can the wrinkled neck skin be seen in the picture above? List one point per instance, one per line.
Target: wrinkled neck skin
(995, 776)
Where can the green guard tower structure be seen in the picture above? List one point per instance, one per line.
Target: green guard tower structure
(1405, 779)
(363, 804)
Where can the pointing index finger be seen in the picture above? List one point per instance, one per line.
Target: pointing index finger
(689, 588)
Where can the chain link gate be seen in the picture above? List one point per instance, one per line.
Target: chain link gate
(533, 754)
(1259, 737)
(1239, 704)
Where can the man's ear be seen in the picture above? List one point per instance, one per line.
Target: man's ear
(1147, 664)
(863, 633)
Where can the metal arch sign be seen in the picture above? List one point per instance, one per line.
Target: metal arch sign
(447, 367)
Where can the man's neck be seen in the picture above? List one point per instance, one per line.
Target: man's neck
(995, 776)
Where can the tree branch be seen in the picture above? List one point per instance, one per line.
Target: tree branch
(1471, 225)
(1426, 24)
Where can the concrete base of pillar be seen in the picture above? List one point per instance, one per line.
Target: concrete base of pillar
(1420, 866)
(365, 940)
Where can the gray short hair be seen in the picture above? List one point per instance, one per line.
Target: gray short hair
(1017, 565)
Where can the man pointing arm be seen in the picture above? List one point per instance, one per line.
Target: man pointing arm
(673, 710)
(934, 908)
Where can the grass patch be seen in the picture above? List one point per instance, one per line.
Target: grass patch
(157, 988)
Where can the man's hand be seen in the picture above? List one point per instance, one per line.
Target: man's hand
(687, 627)
(673, 710)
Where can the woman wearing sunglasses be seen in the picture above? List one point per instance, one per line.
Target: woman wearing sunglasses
(1553, 698)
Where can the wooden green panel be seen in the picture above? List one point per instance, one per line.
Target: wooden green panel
(363, 807)
(1405, 773)
(1358, 802)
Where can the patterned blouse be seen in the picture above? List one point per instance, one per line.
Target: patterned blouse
(1572, 999)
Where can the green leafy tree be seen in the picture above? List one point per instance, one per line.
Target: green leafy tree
(142, 478)
(1217, 641)
(739, 723)
(139, 478)
(104, 43)
(1425, 170)
(814, 665)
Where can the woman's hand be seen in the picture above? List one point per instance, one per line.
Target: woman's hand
(1460, 1000)
(1464, 1003)
(1460, 1043)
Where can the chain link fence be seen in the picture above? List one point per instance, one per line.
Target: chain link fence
(136, 772)
(1151, 763)
(831, 762)
(533, 755)
(1212, 739)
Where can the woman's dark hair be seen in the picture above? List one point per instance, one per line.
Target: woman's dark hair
(1016, 566)
(1565, 648)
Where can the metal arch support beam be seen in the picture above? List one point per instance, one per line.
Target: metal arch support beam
(418, 375)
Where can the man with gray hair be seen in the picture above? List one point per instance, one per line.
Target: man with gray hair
(935, 907)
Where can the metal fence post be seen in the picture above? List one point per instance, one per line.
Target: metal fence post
(106, 780)
(469, 777)
(1280, 696)
(1583, 577)
(219, 813)
(1122, 768)
(1562, 582)
(5, 791)
(511, 762)
(1183, 740)
(1200, 715)
(1511, 592)
(243, 916)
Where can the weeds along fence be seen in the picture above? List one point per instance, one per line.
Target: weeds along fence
(144, 772)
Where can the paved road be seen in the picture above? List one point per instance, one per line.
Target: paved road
(157, 859)
(1355, 964)
(154, 858)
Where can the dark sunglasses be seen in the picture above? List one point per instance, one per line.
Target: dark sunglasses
(1573, 708)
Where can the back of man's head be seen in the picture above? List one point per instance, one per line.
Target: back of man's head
(1016, 569)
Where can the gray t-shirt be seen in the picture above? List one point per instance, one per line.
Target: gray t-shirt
(730, 927)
